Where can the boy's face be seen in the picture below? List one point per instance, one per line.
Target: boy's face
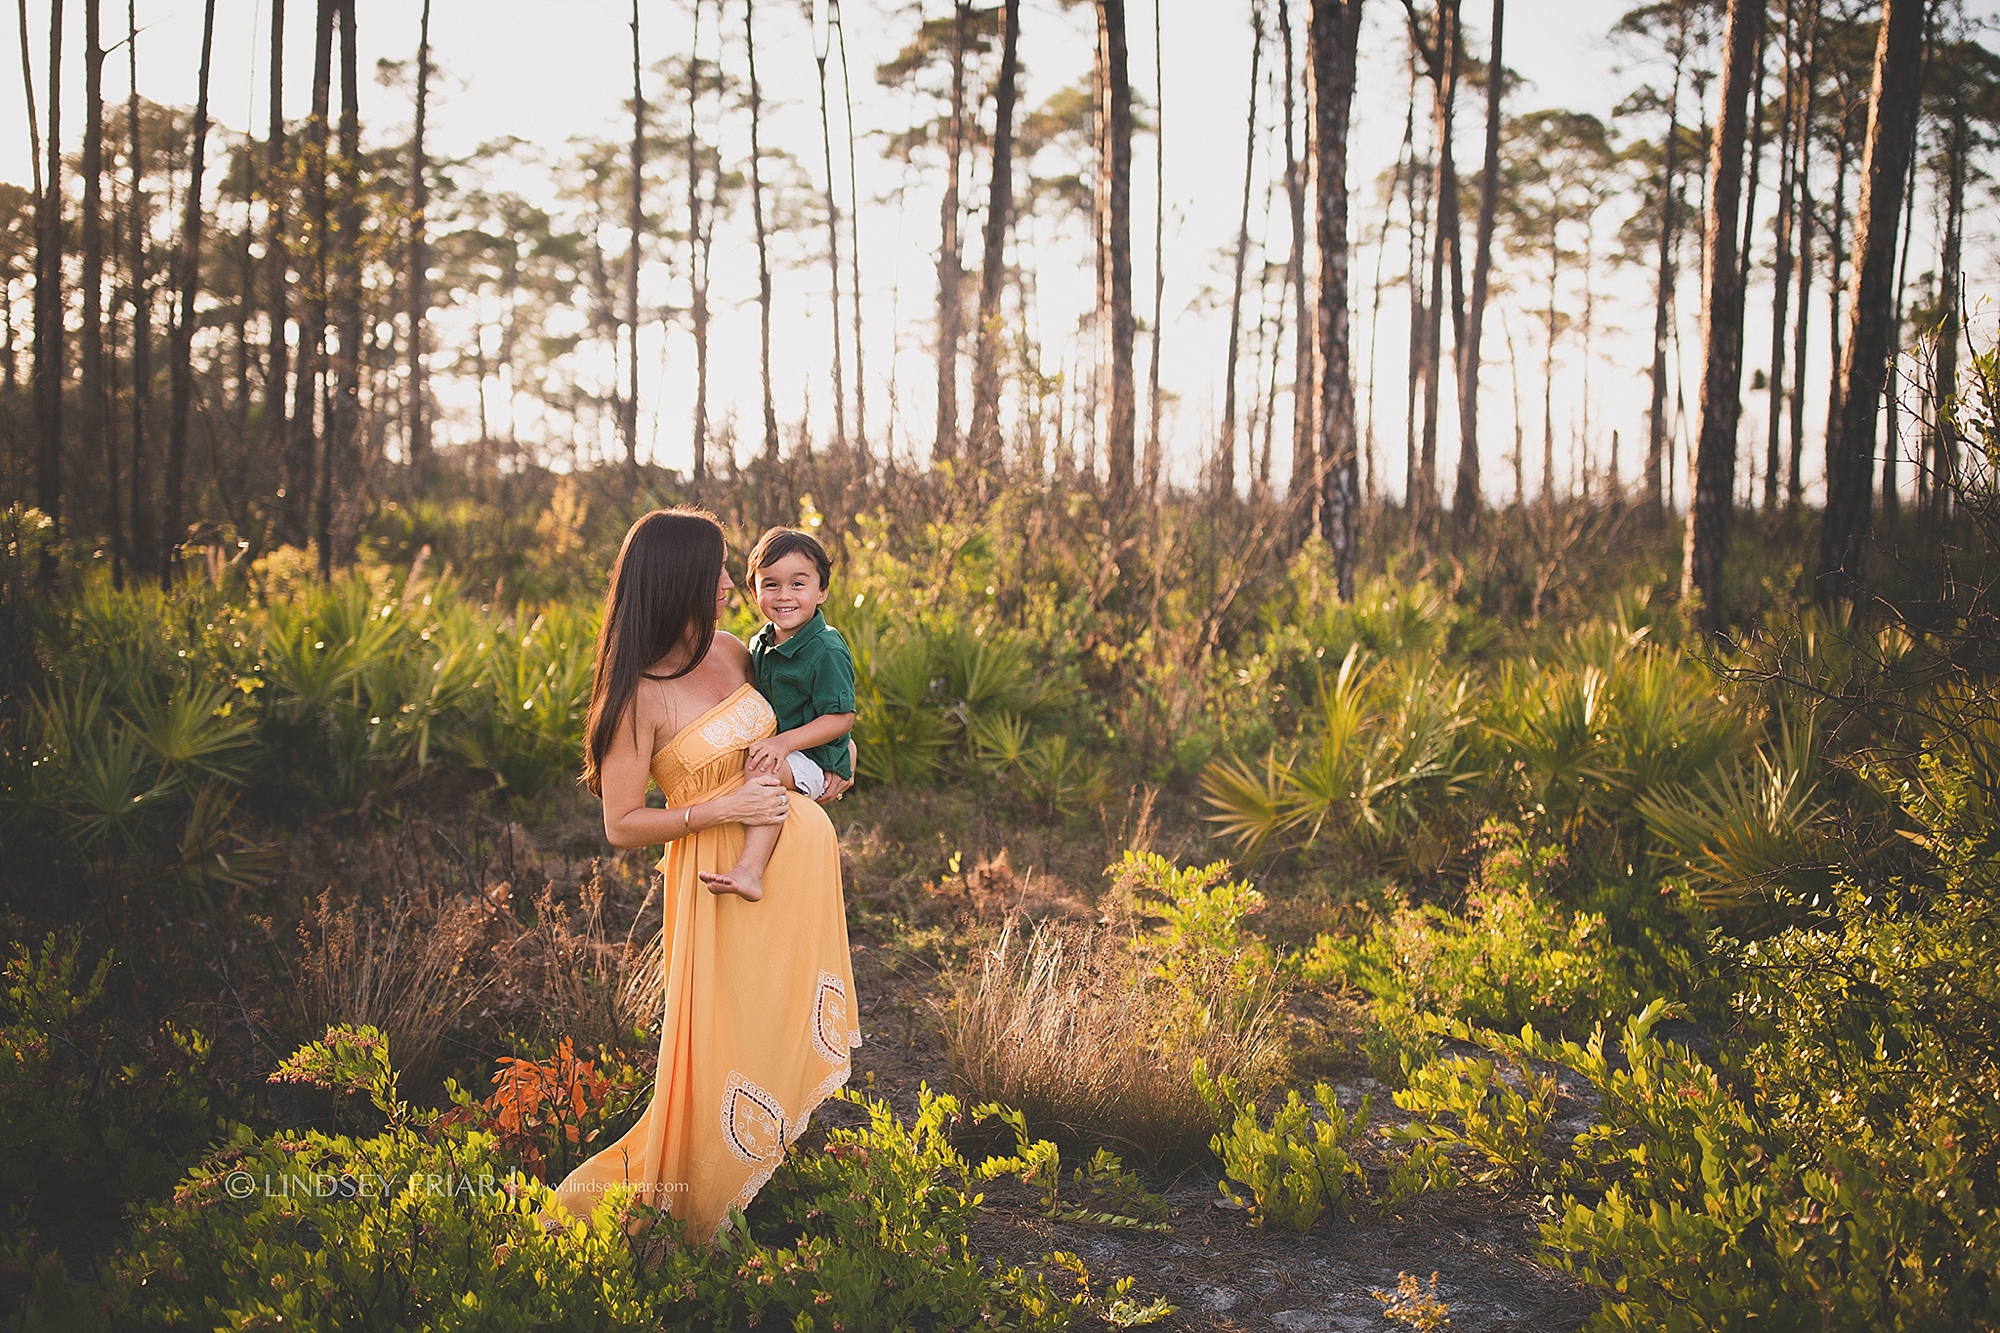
(789, 591)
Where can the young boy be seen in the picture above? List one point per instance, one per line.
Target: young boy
(804, 671)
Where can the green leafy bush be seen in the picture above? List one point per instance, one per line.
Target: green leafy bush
(1499, 1120)
(1298, 1166)
(1515, 956)
(89, 1120)
(1106, 1193)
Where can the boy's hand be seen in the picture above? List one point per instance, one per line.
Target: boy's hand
(765, 756)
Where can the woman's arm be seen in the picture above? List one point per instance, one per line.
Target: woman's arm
(629, 822)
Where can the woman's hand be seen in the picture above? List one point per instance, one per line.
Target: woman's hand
(760, 800)
(836, 787)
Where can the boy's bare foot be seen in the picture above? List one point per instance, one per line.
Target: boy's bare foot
(744, 882)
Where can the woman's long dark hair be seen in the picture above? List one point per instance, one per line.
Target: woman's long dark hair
(662, 597)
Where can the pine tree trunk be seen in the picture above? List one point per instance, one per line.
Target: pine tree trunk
(853, 251)
(1781, 267)
(1802, 183)
(1114, 245)
(1713, 497)
(1404, 164)
(49, 333)
(1663, 290)
(1850, 472)
(1892, 500)
(1941, 437)
(635, 220)
(144, 544)
(416, 282)
(303, 460)
(190, 275)
(1335, 43)
(1306, 469)
(985, 437)
(832, 256)
(94, 407)
(1836, 258)
(340, 507)
(1465, 498)
(1150, 474)
(950, 265)
(1225, 454)
(697, 265)
(1441, 56)
(763, 247)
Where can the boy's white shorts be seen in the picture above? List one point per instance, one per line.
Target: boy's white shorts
(809, 776)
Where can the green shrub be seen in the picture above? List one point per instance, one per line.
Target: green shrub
(1500, 1121)
(1106, 1193)
(1297, 1167)
(88, 1121)
(1515, 957)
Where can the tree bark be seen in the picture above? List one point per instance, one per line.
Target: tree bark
(853, 250)
(1114, 244)
(95, 407)
(1306, 469)
(1441, 60)
(1663, 288)
(832, 250)
(416, 282)
(1404, 163)
(697, 264)
(144, 546)
(1836, 257)
(1781, 267)
(1225, 454)
(1150, 474)
(1941, 442)
(340, 491)
(950, 264)
(1713, 497)
(1802, 182)
(1850, 472)
(1465, 499)
(1335, 43)
(635, 221)
(302, 456)
(763, 243)
(49, 335)
(985, 437)
(190, 275)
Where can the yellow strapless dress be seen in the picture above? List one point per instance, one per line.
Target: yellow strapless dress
(760, 1015)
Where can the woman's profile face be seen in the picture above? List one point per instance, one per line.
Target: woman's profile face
(723, 587)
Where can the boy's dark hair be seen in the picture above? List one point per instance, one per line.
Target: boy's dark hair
(777, 543)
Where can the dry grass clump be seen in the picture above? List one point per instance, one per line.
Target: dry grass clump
(410, 967)
(1076, 1028)
(573, 978)
(446, 962)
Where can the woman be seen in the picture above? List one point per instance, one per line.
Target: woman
(760, 1014)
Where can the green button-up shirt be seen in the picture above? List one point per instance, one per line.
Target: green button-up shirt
(809, 675)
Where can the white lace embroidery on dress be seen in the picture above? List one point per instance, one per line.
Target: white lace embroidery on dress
(829, 1019)
(753, 1123)
(761, 1176)
(739, 724)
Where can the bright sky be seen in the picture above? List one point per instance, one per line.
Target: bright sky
(550, 72)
